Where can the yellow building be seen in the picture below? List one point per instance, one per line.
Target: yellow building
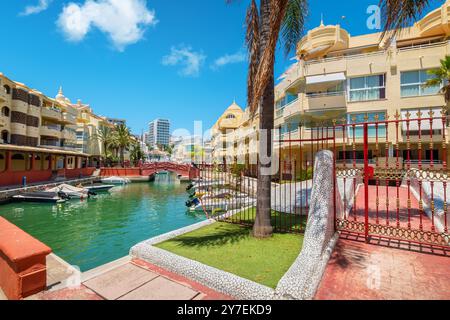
(39, 135)
(224, 134)
(234, 136)
(351, 79)
(86, 129)
(354, 79)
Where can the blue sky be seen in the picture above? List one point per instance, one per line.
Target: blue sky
(181, 60)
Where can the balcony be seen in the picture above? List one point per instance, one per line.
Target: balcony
(83, 117)
(327, 100)
(69, 118)
(50, 131)
(229, 123)
(293, 107)
(68, 135)
(51, 114)
(322, 39)
(50, 143)
(436, 22)
(3, 95)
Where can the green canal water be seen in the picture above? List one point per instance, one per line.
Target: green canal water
(102, 229)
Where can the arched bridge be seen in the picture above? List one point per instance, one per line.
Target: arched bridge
(150, 169)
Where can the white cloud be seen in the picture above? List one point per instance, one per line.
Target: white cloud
(184, 56)
(42, 5)
(237, 57)
(124, 21)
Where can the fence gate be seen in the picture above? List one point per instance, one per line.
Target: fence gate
(392, 177)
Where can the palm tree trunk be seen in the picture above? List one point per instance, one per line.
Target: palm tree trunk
(122, 156)
(262, 227)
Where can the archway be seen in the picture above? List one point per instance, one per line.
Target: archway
(4, 136)
(5, 112)
(7, 89)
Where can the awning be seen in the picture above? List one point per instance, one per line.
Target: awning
(424, 124)
(331, 77)
(12, 147)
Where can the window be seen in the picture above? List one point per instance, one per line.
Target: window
(7, 89)
(18, 156)
(231, 116)
(412, 84)
(289, 127)
(287, 99)
(5, 111)
(367, 88)
(356, 118)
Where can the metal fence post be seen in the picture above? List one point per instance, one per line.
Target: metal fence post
(366, 181)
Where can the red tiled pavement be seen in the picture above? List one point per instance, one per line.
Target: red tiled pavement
(206, 293)
(85, 291)
(386, 212)
(360, 271)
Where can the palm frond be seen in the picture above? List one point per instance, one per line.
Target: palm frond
(293, 25)
(398, 14)
(432, 82)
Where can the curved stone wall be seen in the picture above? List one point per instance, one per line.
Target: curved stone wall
(303, 278)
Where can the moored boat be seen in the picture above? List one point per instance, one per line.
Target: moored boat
(116, 180)
(44, 197)
(71, 191)
(99, 187)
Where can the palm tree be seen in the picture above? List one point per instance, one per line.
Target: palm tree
(136, 153)
(122, 137)
(441, 76)
(264, 25)
(104, 135)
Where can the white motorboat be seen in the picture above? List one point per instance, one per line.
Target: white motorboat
(71, 191)
(116, 180)
(44, 197)
(99, 187)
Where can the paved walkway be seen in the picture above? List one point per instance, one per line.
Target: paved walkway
(360, 271)
(386, 211)
(134, 280)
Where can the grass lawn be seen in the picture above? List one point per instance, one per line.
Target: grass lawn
(230, 248)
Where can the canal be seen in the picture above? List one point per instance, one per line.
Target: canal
(104, 228)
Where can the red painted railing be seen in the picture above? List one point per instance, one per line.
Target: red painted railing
(150, 169)
(395, 178)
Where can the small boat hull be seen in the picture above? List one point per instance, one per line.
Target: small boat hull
(115, 180)
(39, 197)
(100, 188)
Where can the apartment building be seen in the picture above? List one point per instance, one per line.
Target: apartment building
(158, 132)
(234, 136)
(42, 136)
(354, 79)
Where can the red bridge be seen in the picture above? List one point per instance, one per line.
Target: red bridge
(150, 169)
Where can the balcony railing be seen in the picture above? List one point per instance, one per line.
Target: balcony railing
(325, 94)
(280, 111)
(424, 46)
(50, 143)
(343, 57)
